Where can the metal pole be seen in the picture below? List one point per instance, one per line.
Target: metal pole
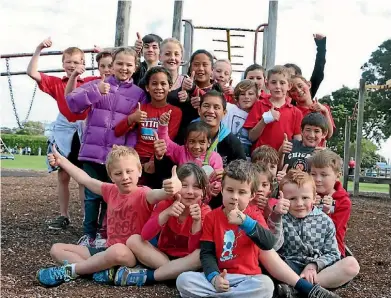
(177, 19)
(187, 45)
(122, 24)
(272, 34)
(360, 120)
(346, 153)
(264, 46)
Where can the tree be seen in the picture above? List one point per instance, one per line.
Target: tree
(32, 128)
(369, 157)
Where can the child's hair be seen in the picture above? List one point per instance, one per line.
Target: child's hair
(172, 40)
(127, 51)
(223, 61)
(263, 170)
(72, 51)
(200, 127)
(155, 70)
(198, 52)
(103, 54)
(214, 93)
(295, 67)
(185, 170)
(265, 155)
(315, 119)
(253, 67)
(299, 76)
(278, 69)
(242, 171)
(326, 158)
(243, 86)
(299, 178)
(118, 152)
(149, 38)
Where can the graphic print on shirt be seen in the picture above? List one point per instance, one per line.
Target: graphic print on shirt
(228, 246)
(122, 222)
(148, 127)
(298, 161)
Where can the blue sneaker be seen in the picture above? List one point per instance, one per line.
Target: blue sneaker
(54, 276)
(105, 276)
(126, 276)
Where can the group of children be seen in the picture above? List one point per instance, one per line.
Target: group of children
(184, 173)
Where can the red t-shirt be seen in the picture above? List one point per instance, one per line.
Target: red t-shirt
(126, 213)
(273, 133)
(305, 111)
(352, 164)
(55, 87)
(175, 237)
(235, 251)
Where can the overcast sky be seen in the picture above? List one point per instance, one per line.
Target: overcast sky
(354, 30)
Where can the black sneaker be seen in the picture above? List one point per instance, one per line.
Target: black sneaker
(319, 292)
(61, 222)
(285, 291)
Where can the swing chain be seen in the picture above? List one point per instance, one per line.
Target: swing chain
(12, 96)
(92, 63)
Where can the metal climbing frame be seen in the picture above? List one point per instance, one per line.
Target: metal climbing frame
(189, 37)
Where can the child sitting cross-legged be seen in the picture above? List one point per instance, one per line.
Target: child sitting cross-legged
(128, 209)
(178, 226)
(230, 242)
(306, 236)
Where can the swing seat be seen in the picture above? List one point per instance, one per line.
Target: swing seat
(7, 157)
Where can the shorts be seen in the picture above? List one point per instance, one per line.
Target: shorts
(94, 250)
(73, 156)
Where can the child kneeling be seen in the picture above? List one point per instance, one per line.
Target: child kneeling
(306, 235)
(128, 209)
(230, 242)
(178, 226)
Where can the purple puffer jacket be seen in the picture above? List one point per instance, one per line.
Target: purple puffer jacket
(105, 112)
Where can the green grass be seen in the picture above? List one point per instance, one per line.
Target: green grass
(25, 162)
(370, 187)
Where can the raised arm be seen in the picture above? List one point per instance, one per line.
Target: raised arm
(320, 61)
(32, 68)
(72, 82)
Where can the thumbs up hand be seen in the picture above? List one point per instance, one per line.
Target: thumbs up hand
(165, 118)
(195, 101)
(286, 146)
(195, 212)
(220, 282)
(228, 89)
(138, 116)
(276, 114)
(160, 147)
(103, 87)
(282, 206)
(54, 157)
(80, 69)
(138, 45)
(281, 174)
(318, 107)
(235, 216)
(261, 199)
(47, 43)
(177, 208)
(173, 185)
(188, 82)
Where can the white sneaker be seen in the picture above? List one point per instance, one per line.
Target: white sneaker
(86, 240)
(99, 242)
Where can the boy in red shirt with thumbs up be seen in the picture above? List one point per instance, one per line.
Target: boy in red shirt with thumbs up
(270, 118)
(230, 242)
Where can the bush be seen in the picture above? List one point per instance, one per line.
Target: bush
(22, 141)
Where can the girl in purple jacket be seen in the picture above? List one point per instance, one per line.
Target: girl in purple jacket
(108, 100)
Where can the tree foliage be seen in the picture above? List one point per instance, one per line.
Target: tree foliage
(32, 128)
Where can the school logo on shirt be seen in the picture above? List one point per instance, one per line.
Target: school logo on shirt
(228, 246)
(298, 161)
(148, 127)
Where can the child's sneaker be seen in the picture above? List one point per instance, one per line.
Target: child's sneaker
(61, 222)
(99, 242)
(105, 276)
(54, 276)
(286, 291)
(319, 292)
(126, 276)
(86, 240)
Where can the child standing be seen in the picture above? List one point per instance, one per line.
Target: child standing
(107, 102)
(245, 95)
(68, 127)
(230, 242)
(295, 154)
(307, 236)
(256, 73)
(129, 208)
(222, 71)
(300, 92)
(178, 225)
(270, 118)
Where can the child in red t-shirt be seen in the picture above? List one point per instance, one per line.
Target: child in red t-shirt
(300, 92)
(270, 118)
(230, 242)
(128, 209)
(178, 226)
(158, 82)
(256, 73)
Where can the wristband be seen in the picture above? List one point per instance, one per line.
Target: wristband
(268, 117)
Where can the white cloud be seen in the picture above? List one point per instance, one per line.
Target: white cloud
(354, 29)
